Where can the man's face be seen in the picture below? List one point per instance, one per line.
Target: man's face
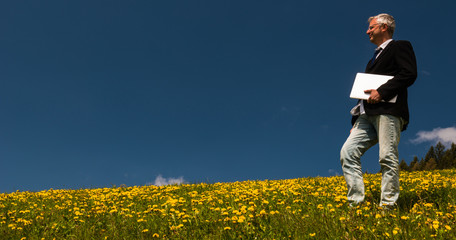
(376, 32)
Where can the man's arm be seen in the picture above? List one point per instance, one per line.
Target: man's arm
(404, 57)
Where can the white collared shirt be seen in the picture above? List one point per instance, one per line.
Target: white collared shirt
(382, 47)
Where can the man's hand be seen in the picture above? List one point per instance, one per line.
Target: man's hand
(374, 96)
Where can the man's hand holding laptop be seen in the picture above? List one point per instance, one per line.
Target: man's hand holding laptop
(374, 96)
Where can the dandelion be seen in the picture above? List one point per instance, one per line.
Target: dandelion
(435, 224)
(223, 205)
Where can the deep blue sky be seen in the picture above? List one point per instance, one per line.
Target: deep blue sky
(101, 93)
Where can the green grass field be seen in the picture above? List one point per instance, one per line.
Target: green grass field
(305, 208)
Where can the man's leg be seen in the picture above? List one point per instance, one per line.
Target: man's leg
(362, 137)
(389, 133)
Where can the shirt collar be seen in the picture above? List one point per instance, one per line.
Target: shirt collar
(384, 44)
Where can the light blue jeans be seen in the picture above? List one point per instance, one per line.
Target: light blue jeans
(368, 131)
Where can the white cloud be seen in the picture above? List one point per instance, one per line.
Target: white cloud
(333, 172)
(444, 135)
(161, 181)
(426, 73)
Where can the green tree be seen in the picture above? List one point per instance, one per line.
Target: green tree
(413, 163)
(449, 157)
(430, 154)
(430, 165)
(403, 166)
(439, 151)
(418, 166)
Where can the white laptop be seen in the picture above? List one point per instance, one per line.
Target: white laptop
(366, 81)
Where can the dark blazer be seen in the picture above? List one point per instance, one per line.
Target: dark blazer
(398, 60)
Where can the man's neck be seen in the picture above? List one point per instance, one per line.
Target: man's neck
(383, 41)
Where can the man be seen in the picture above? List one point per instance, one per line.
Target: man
(375, 120)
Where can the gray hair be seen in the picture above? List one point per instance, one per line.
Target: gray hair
(386, 19)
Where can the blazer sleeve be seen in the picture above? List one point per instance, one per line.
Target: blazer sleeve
(406, 75)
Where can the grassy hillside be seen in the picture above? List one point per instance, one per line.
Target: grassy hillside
(306, 208)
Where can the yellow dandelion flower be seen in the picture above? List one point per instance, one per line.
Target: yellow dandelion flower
(435, 224)
(227, 228)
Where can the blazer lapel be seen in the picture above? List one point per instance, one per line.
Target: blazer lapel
(384, 51)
